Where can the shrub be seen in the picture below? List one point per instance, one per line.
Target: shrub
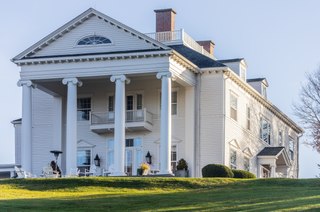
(216, 170)
(182, 165)
(242, 174)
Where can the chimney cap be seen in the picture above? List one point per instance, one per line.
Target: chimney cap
(206, 41)
(165, 10)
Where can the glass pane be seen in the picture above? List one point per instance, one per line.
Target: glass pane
(139, 101)
(174, 97)
(129, 102)
(137, 142)
(83, 157)
(129, 142)
(174, 109)
(110, 159)
(111, 103)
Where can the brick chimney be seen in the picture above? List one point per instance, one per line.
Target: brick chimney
(208, 45)
(165, 20)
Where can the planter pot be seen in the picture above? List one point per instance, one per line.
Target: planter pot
(139, 172)
(182, 173)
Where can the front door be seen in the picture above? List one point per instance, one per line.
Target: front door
(133, 156)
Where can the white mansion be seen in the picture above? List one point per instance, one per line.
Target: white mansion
(96, 87)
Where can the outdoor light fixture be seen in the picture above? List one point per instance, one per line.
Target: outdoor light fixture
(97, 160)
(148, 158)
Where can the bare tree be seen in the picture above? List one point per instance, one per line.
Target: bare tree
(308, 109)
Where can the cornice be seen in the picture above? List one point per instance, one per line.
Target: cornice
(91, 58)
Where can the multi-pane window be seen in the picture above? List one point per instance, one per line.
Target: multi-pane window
(233, 107)
(129, 103)
(83, 109)
(139, 101)
(246, 164)
(174, 158)
(83, 157)
(174, 103)
(265, 130)
(94, 40)
(248, 118)
(233, 159)
(111, 104)
(280, 138)
(291, 148)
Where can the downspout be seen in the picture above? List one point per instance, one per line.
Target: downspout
(298, 153)
(197, 126)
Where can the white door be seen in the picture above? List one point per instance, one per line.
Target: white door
(133, 156)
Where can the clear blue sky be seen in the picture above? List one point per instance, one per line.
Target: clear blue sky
(280, 40)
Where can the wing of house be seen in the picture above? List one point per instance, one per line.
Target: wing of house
(94, 89)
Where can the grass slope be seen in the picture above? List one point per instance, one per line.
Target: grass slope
(160, 194)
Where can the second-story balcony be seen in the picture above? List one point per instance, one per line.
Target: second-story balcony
(136, 120)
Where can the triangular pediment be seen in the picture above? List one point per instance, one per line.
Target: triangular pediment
(63, 41)
(84, 144)
(247, 151)
(234, 143)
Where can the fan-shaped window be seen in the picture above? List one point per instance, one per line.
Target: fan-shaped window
(94, 40)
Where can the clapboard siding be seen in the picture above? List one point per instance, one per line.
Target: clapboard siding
(121, 40)
(211, 119)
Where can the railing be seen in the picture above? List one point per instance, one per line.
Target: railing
(131, 116)
(178, 36)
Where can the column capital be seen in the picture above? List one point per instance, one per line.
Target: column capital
(120, 77)
(167, 74)
(73, 80)
(28, 83)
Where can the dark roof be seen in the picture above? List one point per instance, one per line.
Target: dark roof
(256, 80)
(230, 60)
(271, 151)
(196, 58)
(17, 121)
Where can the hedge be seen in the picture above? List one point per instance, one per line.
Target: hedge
(216, 170)
(242, 174)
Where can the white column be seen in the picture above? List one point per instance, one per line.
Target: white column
(190, 129)
(57, 126)
(273, 171)
(119, 124)
(71, 129)
(26, 128)
(165, 127)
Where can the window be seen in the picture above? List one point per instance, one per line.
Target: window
(93, 40)
(243, 73)
(174, 102)
(280, 138)
(139, 101)
(264, 91)
(248, 118)
(233, 106)
(174, 158)
(83, 157)
(83, 109)
(110, 154)
(129, 103)
(111, 104)
(246, 164)
(265, 130)
(291, 148)
(233, 159)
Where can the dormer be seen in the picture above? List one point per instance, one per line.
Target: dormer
(260, 85)
(237, 65)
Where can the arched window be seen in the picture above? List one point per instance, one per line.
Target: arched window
(94, 40)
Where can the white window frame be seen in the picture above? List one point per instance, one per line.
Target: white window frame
(84, 109)
(91, 158)
(291, 147)
(233, 165)
(268, 130)
(176, 103)
(233, 108)
(248, 118)
(280, 138)
(174, 161)
(246, 168)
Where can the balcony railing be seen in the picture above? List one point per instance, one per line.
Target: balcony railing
(178, 37)
(131, 116)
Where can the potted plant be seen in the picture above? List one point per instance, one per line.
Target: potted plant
(145, 168)
(182, 168)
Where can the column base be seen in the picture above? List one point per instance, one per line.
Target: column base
(117, 174)
(165, 173)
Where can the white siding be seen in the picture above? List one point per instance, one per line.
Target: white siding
(121, 40)
(211, 119)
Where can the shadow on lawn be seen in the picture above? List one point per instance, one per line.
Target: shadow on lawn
(219, 199)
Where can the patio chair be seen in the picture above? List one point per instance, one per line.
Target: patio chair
(22, 173)
(48, 172)
(106, 172)
(92, 171)
(73, 173)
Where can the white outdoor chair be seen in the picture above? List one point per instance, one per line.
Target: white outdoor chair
(106, 172)
(48, 172)
(74, 173)
(21, 173)
(92, 171)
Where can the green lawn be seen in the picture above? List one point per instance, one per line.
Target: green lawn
(162, 194)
